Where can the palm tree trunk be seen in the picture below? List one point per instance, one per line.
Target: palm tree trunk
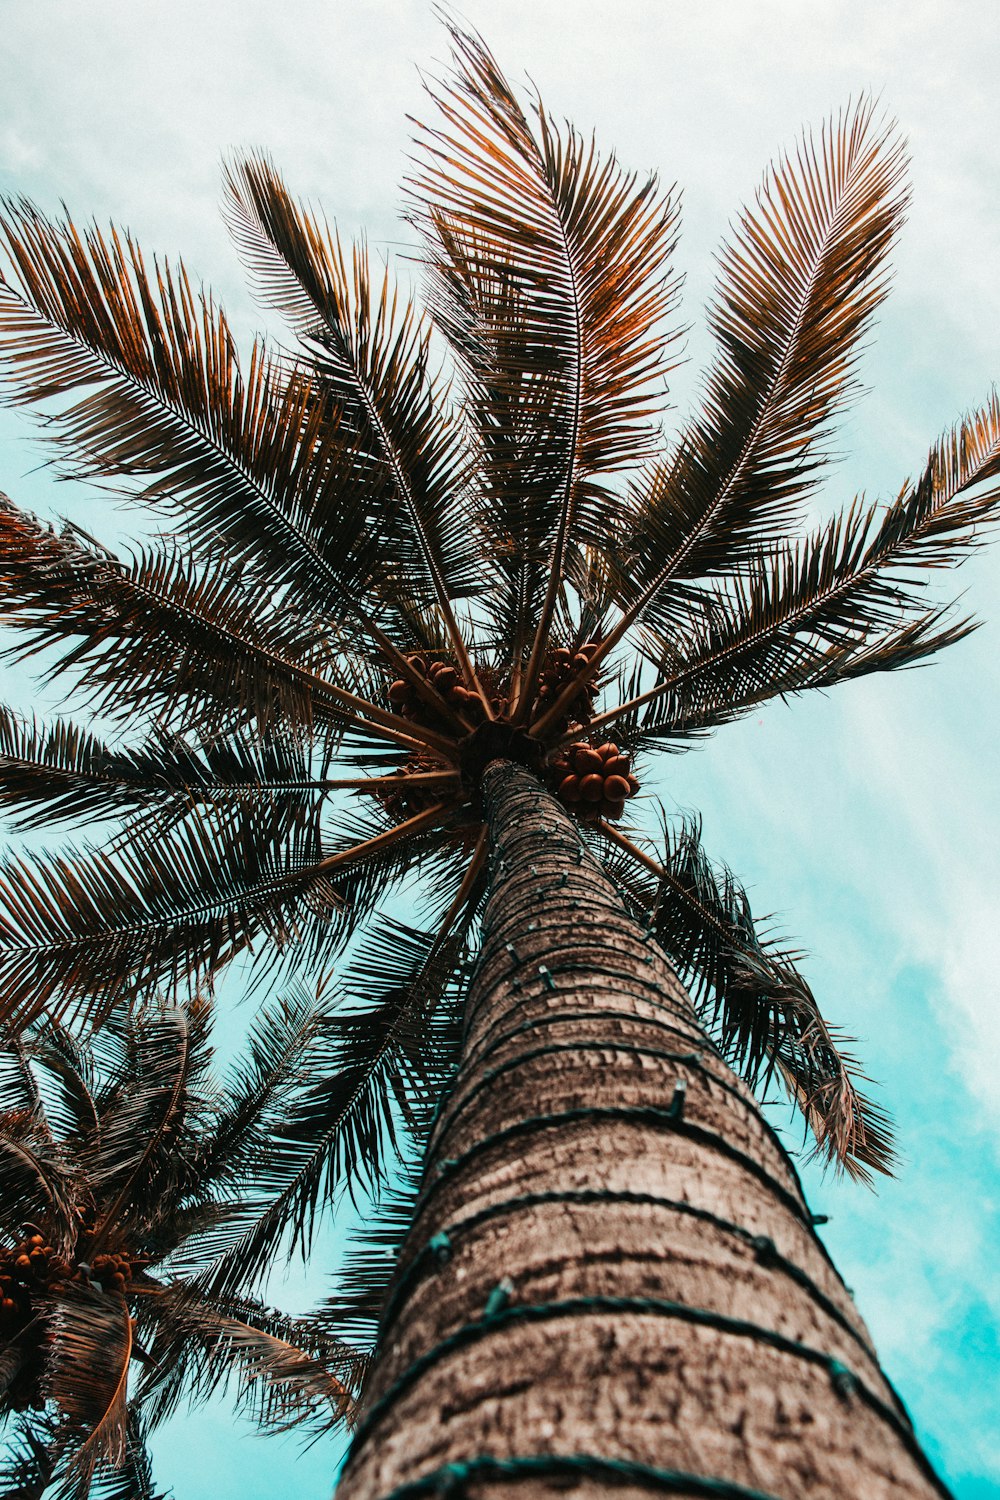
(612, 1282)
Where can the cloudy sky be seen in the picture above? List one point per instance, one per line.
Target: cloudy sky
(870, 821)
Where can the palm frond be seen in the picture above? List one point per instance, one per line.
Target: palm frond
(288, 1371)
(165, 637)
(132, 1478)
(847, 601)
(381, 1065)
(761, 1009)
(79, 932)
(241, 456)
(71, 1084)
(30, 1457)
(142, 1162)
(371, 355)
(548, 276)
(275, 1061)
(798, 288)
(37, 1183)
(88, 1373)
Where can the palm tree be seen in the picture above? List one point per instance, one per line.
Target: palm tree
(122, 1164)
(434, 590)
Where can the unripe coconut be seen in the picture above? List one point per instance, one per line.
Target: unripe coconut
(616, 788)
(592, 787)
(569, 789)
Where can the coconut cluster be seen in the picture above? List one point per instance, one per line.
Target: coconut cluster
(445, 677)
(593, 781)
(26, 1270)
(33, 1267)
(561, 665)
(31, 1273)
(412, 796)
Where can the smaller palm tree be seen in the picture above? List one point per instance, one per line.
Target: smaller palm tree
(121, 1163)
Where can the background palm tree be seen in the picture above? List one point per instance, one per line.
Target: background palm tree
(361, 568)
(123, 1166)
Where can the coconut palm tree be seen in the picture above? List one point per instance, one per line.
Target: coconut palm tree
(434, 590)
(121, 1164)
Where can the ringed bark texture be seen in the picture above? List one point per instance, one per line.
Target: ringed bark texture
(612, 1283)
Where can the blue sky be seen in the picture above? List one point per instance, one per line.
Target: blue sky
(869, 820)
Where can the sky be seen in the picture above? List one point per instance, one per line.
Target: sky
(867, 821)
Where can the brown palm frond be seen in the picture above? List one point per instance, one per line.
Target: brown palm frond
(370, 353)
(181, 639)
(847, 601)
(78, 932)
(37, 1182)
(289, 1372)
(798, 287)
(548, 276)
(764, 1013)
(241, 454)
(382, 1065)
(138, 1161)
(88, 1372)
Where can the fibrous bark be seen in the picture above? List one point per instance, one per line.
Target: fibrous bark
(612, 1281)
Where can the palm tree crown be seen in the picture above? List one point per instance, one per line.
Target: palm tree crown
(126, 1171)
(410, 544)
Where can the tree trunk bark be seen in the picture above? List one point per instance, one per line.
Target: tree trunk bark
(612, 1283)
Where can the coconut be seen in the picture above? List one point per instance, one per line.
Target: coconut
(592, 787)
(612, 808)
(586, 761)
(633, 785)
(617, 765)
(616, 788)
(569, 789)
(399, 691)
